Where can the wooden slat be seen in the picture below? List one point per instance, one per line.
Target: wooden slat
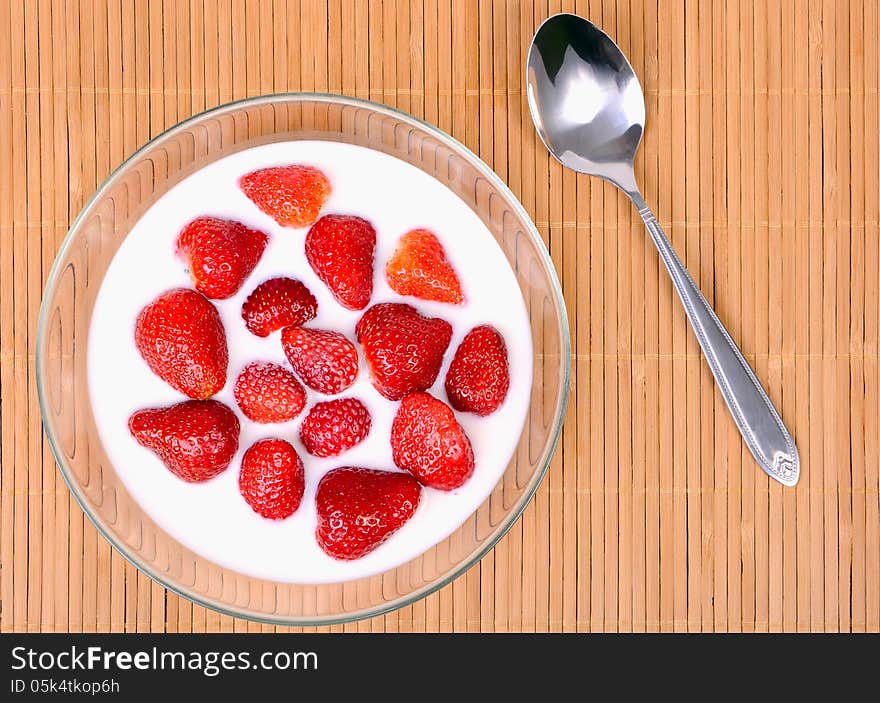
(761, 159)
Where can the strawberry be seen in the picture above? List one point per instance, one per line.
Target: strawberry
(419, 268)
(277, 303)
(325, 361)
(272, 480)
(403, 348)
(478, 376)
(340, 251)
(220, 254)
(335, 426)
(196, 439)
(182, 339)
(267, 392)
(427, 441)
(358, 509)
(291, 195)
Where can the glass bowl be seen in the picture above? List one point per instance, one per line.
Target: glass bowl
(77, 275)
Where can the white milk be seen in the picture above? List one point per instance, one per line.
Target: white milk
(212, 518)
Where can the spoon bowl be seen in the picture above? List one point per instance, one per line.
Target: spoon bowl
(582, 91)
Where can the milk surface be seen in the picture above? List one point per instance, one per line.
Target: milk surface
(212, 518)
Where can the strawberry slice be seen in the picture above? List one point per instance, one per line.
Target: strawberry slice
(358, 509)
(420, 268)
(478, 377)
(276, 303)
(427, 441)
(404, 349)
(196, 439)
(340, 251)
(335, 426)
(266, 392)
(272, 480)
(182, 339)
(220, 254)
(291, 195)
(325, 361)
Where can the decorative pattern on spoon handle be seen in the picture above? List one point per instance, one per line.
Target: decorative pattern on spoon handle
(758, 420)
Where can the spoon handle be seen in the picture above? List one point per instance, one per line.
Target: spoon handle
(757, 419)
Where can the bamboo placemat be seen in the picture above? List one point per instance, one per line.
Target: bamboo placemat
(762, 159)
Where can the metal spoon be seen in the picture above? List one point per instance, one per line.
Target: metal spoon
(589, 110)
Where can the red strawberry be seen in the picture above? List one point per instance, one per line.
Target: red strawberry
(335, 426)
(325, 361)
(220, 254)
(182, 339)
(196, 439)
(268, 393)
(272, 480)
(290, 195)
(358, 509)
(427, 441)
(404, 349)
(419, 268)
(340, 251)
(277, 303)
(478, 377)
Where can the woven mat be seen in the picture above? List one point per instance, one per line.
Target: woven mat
(762, 159)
